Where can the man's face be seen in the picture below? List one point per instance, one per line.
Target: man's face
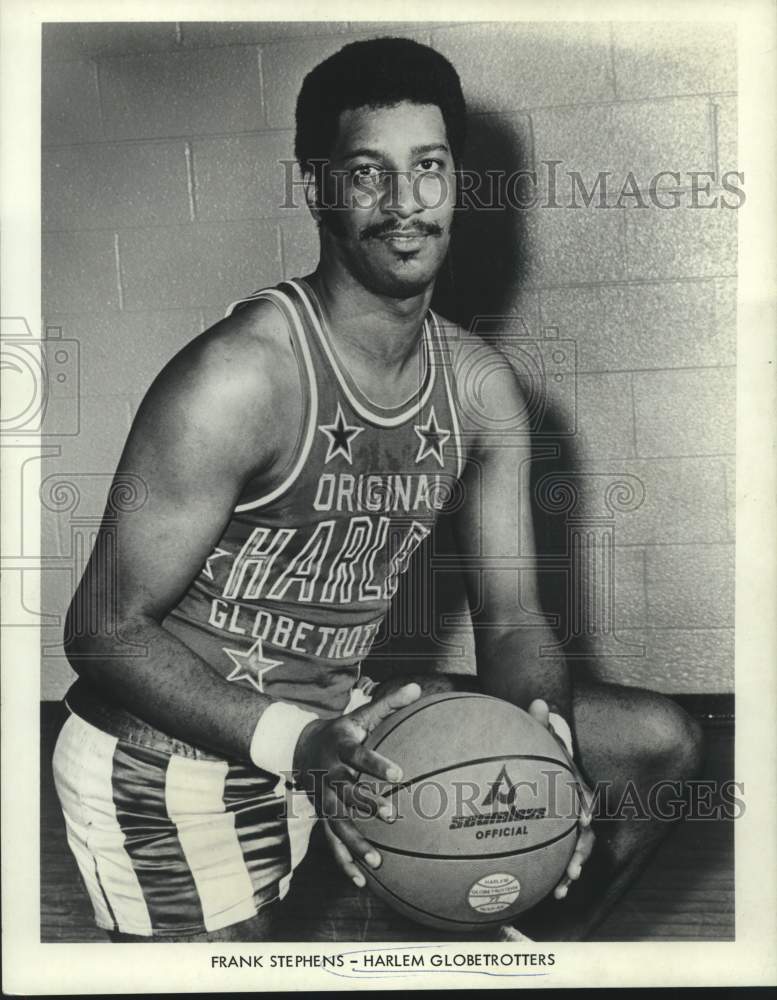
(391, 188)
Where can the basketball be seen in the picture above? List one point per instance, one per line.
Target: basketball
(486, 812)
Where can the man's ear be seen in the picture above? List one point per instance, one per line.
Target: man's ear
(310, 187)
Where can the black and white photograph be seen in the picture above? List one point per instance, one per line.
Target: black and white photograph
(378, 541)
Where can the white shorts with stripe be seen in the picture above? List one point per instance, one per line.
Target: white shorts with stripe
(170, 844)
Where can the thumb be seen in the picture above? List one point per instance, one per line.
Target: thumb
(368, 716)
(540, 712)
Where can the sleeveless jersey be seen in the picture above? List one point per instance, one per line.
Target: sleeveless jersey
(291, 598)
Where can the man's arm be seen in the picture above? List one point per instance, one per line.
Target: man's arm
(494, 535)
(217, 417)
(194, 443)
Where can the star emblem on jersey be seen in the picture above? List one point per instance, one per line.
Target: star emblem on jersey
(217, 553)
(340, 435)
(251, 664)
(432, 437)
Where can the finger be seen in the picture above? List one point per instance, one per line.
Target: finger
(363, 800)
(540, 712)
(585, 845)
(583, 848)
(586, 804)
(341, 773)
(575, 866)
(365, 761)
(370, 715)
(344, 859)
(331, 807)
(358, 847)
(367, 684)
(585, 800)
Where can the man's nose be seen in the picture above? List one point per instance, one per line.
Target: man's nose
(401, 198)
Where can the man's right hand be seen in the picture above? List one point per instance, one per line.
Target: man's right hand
(330, 757)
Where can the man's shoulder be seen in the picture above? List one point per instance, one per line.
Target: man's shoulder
(249, 349)
(238, 371)
(478, 364)
(253, 335)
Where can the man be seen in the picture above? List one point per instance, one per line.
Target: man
(295, 455)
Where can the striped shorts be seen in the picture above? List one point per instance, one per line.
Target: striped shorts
(175, 843)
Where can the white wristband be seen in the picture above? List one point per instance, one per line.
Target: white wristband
(562, 730)
(275, 737)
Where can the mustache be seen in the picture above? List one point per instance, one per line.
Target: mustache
(381, 229)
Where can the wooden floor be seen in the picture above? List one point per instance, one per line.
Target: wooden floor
(685, 893)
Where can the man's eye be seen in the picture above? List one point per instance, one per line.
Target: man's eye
(431, 165)
(367, 172)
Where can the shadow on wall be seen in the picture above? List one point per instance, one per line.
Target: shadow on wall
(485, 275)
(489, 258)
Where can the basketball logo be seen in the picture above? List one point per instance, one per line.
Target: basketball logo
(494, 892)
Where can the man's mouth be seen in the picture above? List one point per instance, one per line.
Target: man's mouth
(385, 232)
(405, 239)
(404, 233)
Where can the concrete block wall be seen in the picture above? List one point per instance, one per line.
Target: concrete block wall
(162, 195)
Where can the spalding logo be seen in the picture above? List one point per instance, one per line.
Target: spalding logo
(502, 791)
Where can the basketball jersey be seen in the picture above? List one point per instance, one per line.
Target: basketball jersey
(292, 597)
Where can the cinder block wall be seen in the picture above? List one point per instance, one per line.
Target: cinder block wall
(161, 205)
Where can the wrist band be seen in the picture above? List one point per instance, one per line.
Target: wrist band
(275, 738)
(561, 729)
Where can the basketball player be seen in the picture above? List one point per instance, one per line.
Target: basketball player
(295, 455)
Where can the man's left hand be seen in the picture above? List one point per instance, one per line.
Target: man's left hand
(585, 835)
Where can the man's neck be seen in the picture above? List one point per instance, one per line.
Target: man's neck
(377, 330)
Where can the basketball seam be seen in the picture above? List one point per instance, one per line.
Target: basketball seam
(474, 857)
(421, 708)
(478, 760)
